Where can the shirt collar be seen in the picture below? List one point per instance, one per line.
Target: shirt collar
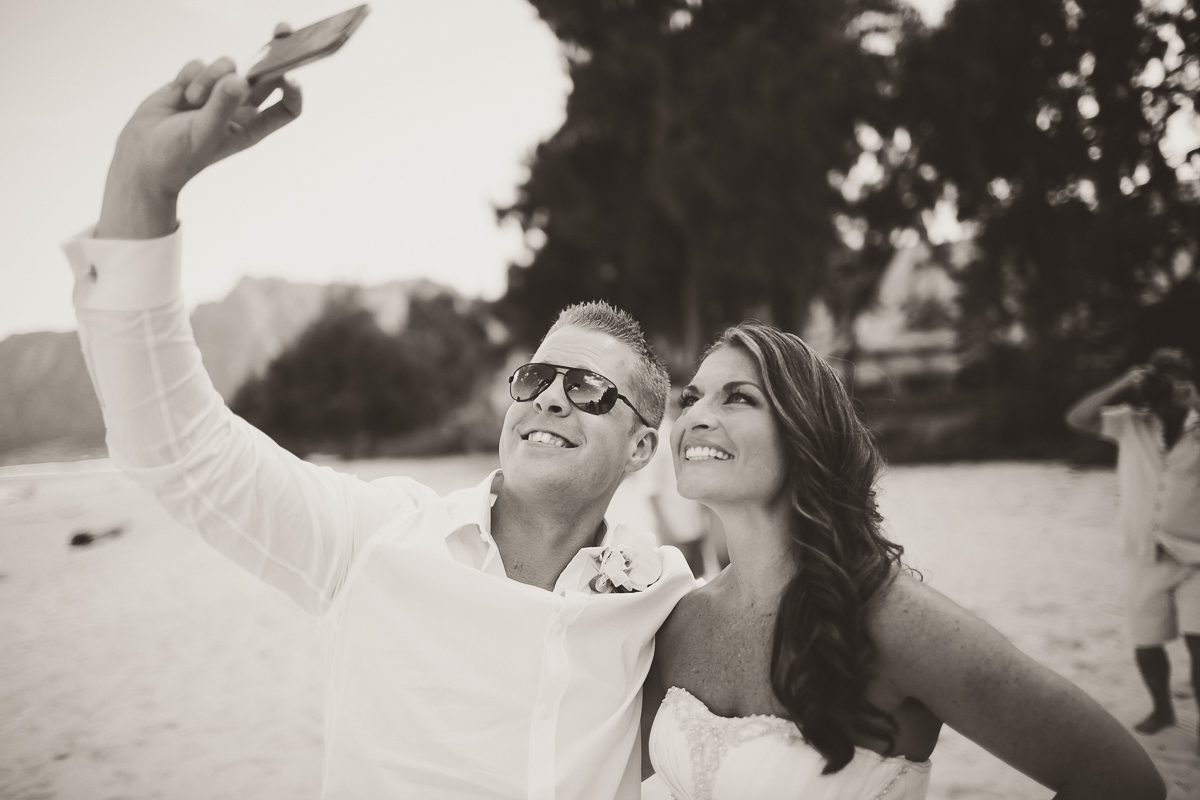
(474, 515)
(476, 508)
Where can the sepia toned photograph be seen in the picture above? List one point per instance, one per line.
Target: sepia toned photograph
(600, 400)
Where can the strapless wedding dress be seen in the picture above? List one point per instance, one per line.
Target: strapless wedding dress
(701, 756)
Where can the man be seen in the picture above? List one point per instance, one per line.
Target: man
(491, 643)
(1151, 412)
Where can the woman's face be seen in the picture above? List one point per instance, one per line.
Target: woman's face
(726, 442)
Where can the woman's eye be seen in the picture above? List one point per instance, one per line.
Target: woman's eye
(740, 397)
(687, 400)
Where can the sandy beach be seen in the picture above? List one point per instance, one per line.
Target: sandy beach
(145, 666)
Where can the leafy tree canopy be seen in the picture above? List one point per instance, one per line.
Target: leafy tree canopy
(1046, 121)
(345, 385)
(697, 177)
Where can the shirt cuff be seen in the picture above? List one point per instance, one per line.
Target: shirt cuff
(1113, 420)
(124, 274)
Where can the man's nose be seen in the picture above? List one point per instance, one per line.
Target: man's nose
(553, 400)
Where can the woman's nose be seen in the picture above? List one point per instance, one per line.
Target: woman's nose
(697, 416)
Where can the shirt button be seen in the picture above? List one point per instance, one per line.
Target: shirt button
(557, 630)
(546, 712)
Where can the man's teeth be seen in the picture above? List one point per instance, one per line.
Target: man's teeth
(542, 437)
(704, 453)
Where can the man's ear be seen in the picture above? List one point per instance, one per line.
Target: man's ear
(643, 448)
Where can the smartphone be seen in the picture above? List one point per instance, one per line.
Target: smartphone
(306, 45)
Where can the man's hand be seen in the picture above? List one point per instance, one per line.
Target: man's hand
(1133, 376)
(207, 113)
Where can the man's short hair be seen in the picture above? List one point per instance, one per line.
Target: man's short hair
(650, 382)
(1172, 361)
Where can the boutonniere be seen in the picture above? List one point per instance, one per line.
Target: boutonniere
(626, 567)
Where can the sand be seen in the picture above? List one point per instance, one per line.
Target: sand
(145, 666)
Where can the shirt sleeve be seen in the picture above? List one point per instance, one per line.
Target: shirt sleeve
(1114, 420)
(294, 525)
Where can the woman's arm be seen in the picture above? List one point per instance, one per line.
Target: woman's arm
(978, 683)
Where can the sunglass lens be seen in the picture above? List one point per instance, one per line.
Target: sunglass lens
(529, 381)
(587, 390)
(590, 392)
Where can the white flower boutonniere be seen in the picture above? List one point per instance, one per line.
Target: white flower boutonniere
(626, 567)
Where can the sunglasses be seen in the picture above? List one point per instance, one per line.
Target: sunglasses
(590, 392)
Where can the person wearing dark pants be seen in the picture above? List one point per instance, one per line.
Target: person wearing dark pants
(1152, 413)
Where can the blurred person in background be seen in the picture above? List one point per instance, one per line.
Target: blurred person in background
(680, 522)
(816, 665)
(1152, 413)
(490, 643)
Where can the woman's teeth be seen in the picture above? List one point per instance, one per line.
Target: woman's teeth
(705, 453)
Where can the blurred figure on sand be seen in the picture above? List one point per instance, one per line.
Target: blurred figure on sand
(680, 522)
(1152, 413)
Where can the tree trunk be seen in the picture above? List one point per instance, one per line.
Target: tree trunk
(693, 325)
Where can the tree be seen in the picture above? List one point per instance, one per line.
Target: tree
(345, 385)
(1045, 120)
(691, 181)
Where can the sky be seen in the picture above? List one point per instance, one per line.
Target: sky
(411, 136)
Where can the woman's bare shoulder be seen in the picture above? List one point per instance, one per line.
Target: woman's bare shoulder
(699, 627)
(906, 604)
(914, 626)
(696, 608)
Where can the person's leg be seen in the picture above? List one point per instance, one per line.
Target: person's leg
(1155, 667)
(1152, 623)
(1187, 603)
(1193, 646)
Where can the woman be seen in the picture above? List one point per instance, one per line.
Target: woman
(815, 666)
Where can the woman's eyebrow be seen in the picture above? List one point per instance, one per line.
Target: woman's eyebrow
(734, 384)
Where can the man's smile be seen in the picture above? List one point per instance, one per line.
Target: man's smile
(548, 438)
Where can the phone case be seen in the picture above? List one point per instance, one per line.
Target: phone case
(306, 45)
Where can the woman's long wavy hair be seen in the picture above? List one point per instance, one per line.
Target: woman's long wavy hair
(822, 656)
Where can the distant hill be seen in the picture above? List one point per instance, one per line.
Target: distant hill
(239, 335)
(48, 409)
(46, 397)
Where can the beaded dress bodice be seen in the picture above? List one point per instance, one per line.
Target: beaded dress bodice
(702, 756)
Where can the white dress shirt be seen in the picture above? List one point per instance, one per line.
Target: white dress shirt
(447, 679)
(1160, 488)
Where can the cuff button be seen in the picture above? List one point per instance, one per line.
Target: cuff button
(92, 272)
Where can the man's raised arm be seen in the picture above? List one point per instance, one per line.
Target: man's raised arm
(1084, 416)
(207, 113)
(289, 522)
